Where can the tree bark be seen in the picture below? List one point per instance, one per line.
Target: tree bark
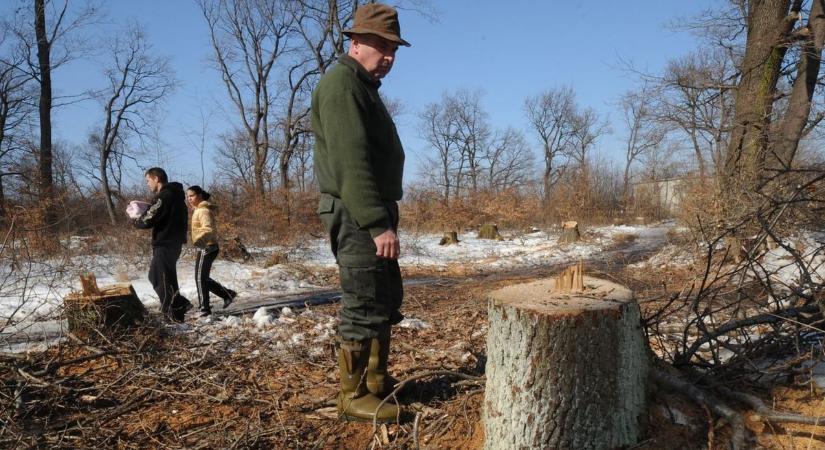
(564, 370)
(570, 232)
(44, 164)
(768, 25)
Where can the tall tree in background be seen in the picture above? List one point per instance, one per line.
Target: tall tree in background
(509, 161)
(765, 135)
(588, 127)
(44, 165)
(551, 116)
(472, 134)
(694, 98)
(137, 81)
(16, 100)
(437, 127)
(247, 38)
(644, 132)
(318, 25)
(48, 34)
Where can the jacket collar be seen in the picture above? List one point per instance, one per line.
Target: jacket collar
(362, 73)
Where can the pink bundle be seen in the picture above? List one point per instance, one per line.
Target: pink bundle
(136, 209)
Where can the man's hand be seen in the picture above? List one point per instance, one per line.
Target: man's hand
(387, 245)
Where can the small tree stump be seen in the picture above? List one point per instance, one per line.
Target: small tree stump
(489, 231)
(450, 238)
(570, 232)
(564, 370)
(233, 249)
(102, 308)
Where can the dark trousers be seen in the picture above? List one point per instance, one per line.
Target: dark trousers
(371, 289)
(163, 275)
(203, 265)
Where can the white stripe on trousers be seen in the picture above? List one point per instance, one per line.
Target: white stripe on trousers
(198, 278)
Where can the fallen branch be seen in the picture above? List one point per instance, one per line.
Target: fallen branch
(735, 419)
(402, 383)
(768, 414)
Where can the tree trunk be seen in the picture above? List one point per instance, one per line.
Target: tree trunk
(564, 370)
(799, 103)
(107, 191)
(2, 199)
(768, 24)
(44, 165)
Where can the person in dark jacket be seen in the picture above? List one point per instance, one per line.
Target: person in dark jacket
(359, 165)
(167, 217)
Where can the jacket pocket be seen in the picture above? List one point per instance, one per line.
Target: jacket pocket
(326, 204)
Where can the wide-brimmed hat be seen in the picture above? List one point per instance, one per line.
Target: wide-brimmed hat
(378, 19)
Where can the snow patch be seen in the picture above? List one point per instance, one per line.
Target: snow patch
(413, 324)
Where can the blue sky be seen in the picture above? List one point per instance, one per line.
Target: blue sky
(508, 50)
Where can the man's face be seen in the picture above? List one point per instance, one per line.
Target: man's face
(152, 183)
(375, 53)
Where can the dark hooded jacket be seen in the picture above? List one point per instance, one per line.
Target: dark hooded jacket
(166, 216)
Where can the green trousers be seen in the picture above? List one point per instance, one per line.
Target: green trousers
(371, 289)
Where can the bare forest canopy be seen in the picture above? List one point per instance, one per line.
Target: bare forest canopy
(740, 109)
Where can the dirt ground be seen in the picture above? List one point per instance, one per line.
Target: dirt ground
(264, 388)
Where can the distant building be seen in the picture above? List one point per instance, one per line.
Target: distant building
(662, 196)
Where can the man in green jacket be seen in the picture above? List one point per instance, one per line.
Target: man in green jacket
(359, 163)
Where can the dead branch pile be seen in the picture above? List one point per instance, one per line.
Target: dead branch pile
(232, 387)
(754, 314)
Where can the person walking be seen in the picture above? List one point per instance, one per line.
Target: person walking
(205, 239)
(166, 216)
(359, 164)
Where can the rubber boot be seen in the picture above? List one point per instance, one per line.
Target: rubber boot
(379, 382)
(356, 402)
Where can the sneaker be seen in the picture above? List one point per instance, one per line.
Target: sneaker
(205, 313)
(228, 300)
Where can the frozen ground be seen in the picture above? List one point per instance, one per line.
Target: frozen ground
(35, 291)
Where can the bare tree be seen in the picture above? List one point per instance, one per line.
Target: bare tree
(49, 44)
(137, 81)
(197, 138)
(437, 128)
(644, 132)
(587, 128)
(696, 96)
(319, 24)
(551, 117)
(16, 100)
(472, 133)
(247, 38)
(509, 161)
(234, 158)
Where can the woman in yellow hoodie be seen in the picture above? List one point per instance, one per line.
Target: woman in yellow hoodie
(205, 238)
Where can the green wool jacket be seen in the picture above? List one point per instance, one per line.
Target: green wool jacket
(358, 156)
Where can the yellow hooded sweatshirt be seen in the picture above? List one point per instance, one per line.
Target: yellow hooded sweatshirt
(204, 226)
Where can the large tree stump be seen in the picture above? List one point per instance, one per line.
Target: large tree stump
(570, 232)
(489, 231)
(233, 249)
(102, 308)
(565, 370)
